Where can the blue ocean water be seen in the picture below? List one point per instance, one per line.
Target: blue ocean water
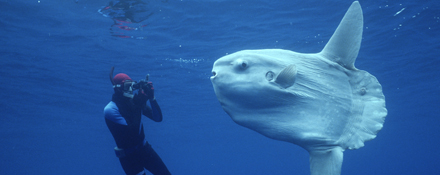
(56, 57)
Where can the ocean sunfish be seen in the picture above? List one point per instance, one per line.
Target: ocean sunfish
(318, 101)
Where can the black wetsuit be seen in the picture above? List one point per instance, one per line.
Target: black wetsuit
(123, 118)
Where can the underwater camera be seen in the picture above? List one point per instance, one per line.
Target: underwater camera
(142, 84)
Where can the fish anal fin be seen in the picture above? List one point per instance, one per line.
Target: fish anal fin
(326, 161)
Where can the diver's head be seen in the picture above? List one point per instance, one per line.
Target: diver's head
(123, 85)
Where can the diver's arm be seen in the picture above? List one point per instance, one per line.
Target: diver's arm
(154, 113)
(157, 113)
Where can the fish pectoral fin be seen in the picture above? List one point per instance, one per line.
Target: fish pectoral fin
(287, 76)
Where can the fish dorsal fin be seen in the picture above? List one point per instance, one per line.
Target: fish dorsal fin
(286, 77)
(343, 47)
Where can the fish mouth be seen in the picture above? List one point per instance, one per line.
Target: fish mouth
(214, 74)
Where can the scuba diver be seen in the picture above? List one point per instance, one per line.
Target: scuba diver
(123, 118)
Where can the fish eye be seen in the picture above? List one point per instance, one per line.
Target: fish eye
(241, 64)
(269, 76)
(244, 64)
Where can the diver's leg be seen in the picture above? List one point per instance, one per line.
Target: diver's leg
(152, 161)
(132, 165)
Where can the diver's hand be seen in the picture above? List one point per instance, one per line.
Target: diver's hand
(149, 90)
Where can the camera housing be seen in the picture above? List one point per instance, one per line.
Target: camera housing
(142, 84)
